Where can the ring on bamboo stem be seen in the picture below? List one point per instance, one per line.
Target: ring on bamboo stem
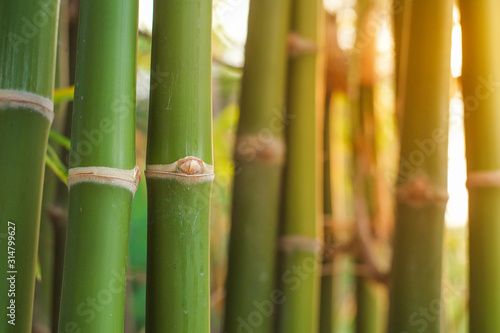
(298, 45)
(128, 179)
(189, 169)
(24, 99)
(488, 178)
(290, 244)
(418, 191)
(260, 148)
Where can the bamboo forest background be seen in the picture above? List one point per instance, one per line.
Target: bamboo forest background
(362, 147)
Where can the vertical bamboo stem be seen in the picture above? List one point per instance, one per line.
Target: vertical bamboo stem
(28, 33)
(481, 75)
(179, 169)
(46, 291)
(326, 323)
(259, 154)
(421, 186)
(102, 176)
(303, 177)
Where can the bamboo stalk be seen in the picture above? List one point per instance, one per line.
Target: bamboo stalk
(179, 169)
(421, 186)
(45, 314)
(326, 321)
(259, 154)
(102, 175)
(27, 65)
(481, 75)
(303, 178)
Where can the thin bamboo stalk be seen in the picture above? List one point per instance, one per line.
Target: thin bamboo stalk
(303, 176)
(481, 74)
(259, 154)
(45, 295)
(179, 169)
(327, 301)
(102, 175)
(422, 181)
(27, 64)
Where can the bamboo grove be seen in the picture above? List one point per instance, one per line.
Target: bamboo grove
(299, 167)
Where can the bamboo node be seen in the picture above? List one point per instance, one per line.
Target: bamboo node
(487, 178)
(418, 191)
(24, 99)
(254, 148)
(299, 45)
(128, 179)
(290, 244)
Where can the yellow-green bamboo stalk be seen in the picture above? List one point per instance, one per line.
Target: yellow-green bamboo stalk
(422, 181)
(299, 276)
(481, 92)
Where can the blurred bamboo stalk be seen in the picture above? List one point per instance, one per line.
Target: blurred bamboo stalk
(422, 179)
(481, 75)
(259, 154)
(327, 299)
(302, 198)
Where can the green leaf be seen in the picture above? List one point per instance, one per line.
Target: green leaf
(54, 163)
(60, 139)
(64, 95)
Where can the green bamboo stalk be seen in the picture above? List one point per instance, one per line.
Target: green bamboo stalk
(45, 288)
(179, 169)
(259, 153)
(27, 64)
(102, 174)
(303, 178)
(422, 181)
(481, 75)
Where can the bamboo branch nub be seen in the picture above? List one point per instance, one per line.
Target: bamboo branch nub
(189, 169)
(190, 165)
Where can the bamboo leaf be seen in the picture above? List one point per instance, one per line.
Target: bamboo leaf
(56, 165)
(64, 95)
(60, 139)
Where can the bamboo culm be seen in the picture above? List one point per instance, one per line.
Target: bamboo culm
(28, 33)
(179, 170)
(259, 154)
(102, 168)
(422, 180)
(481, 74)
(302, 195)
